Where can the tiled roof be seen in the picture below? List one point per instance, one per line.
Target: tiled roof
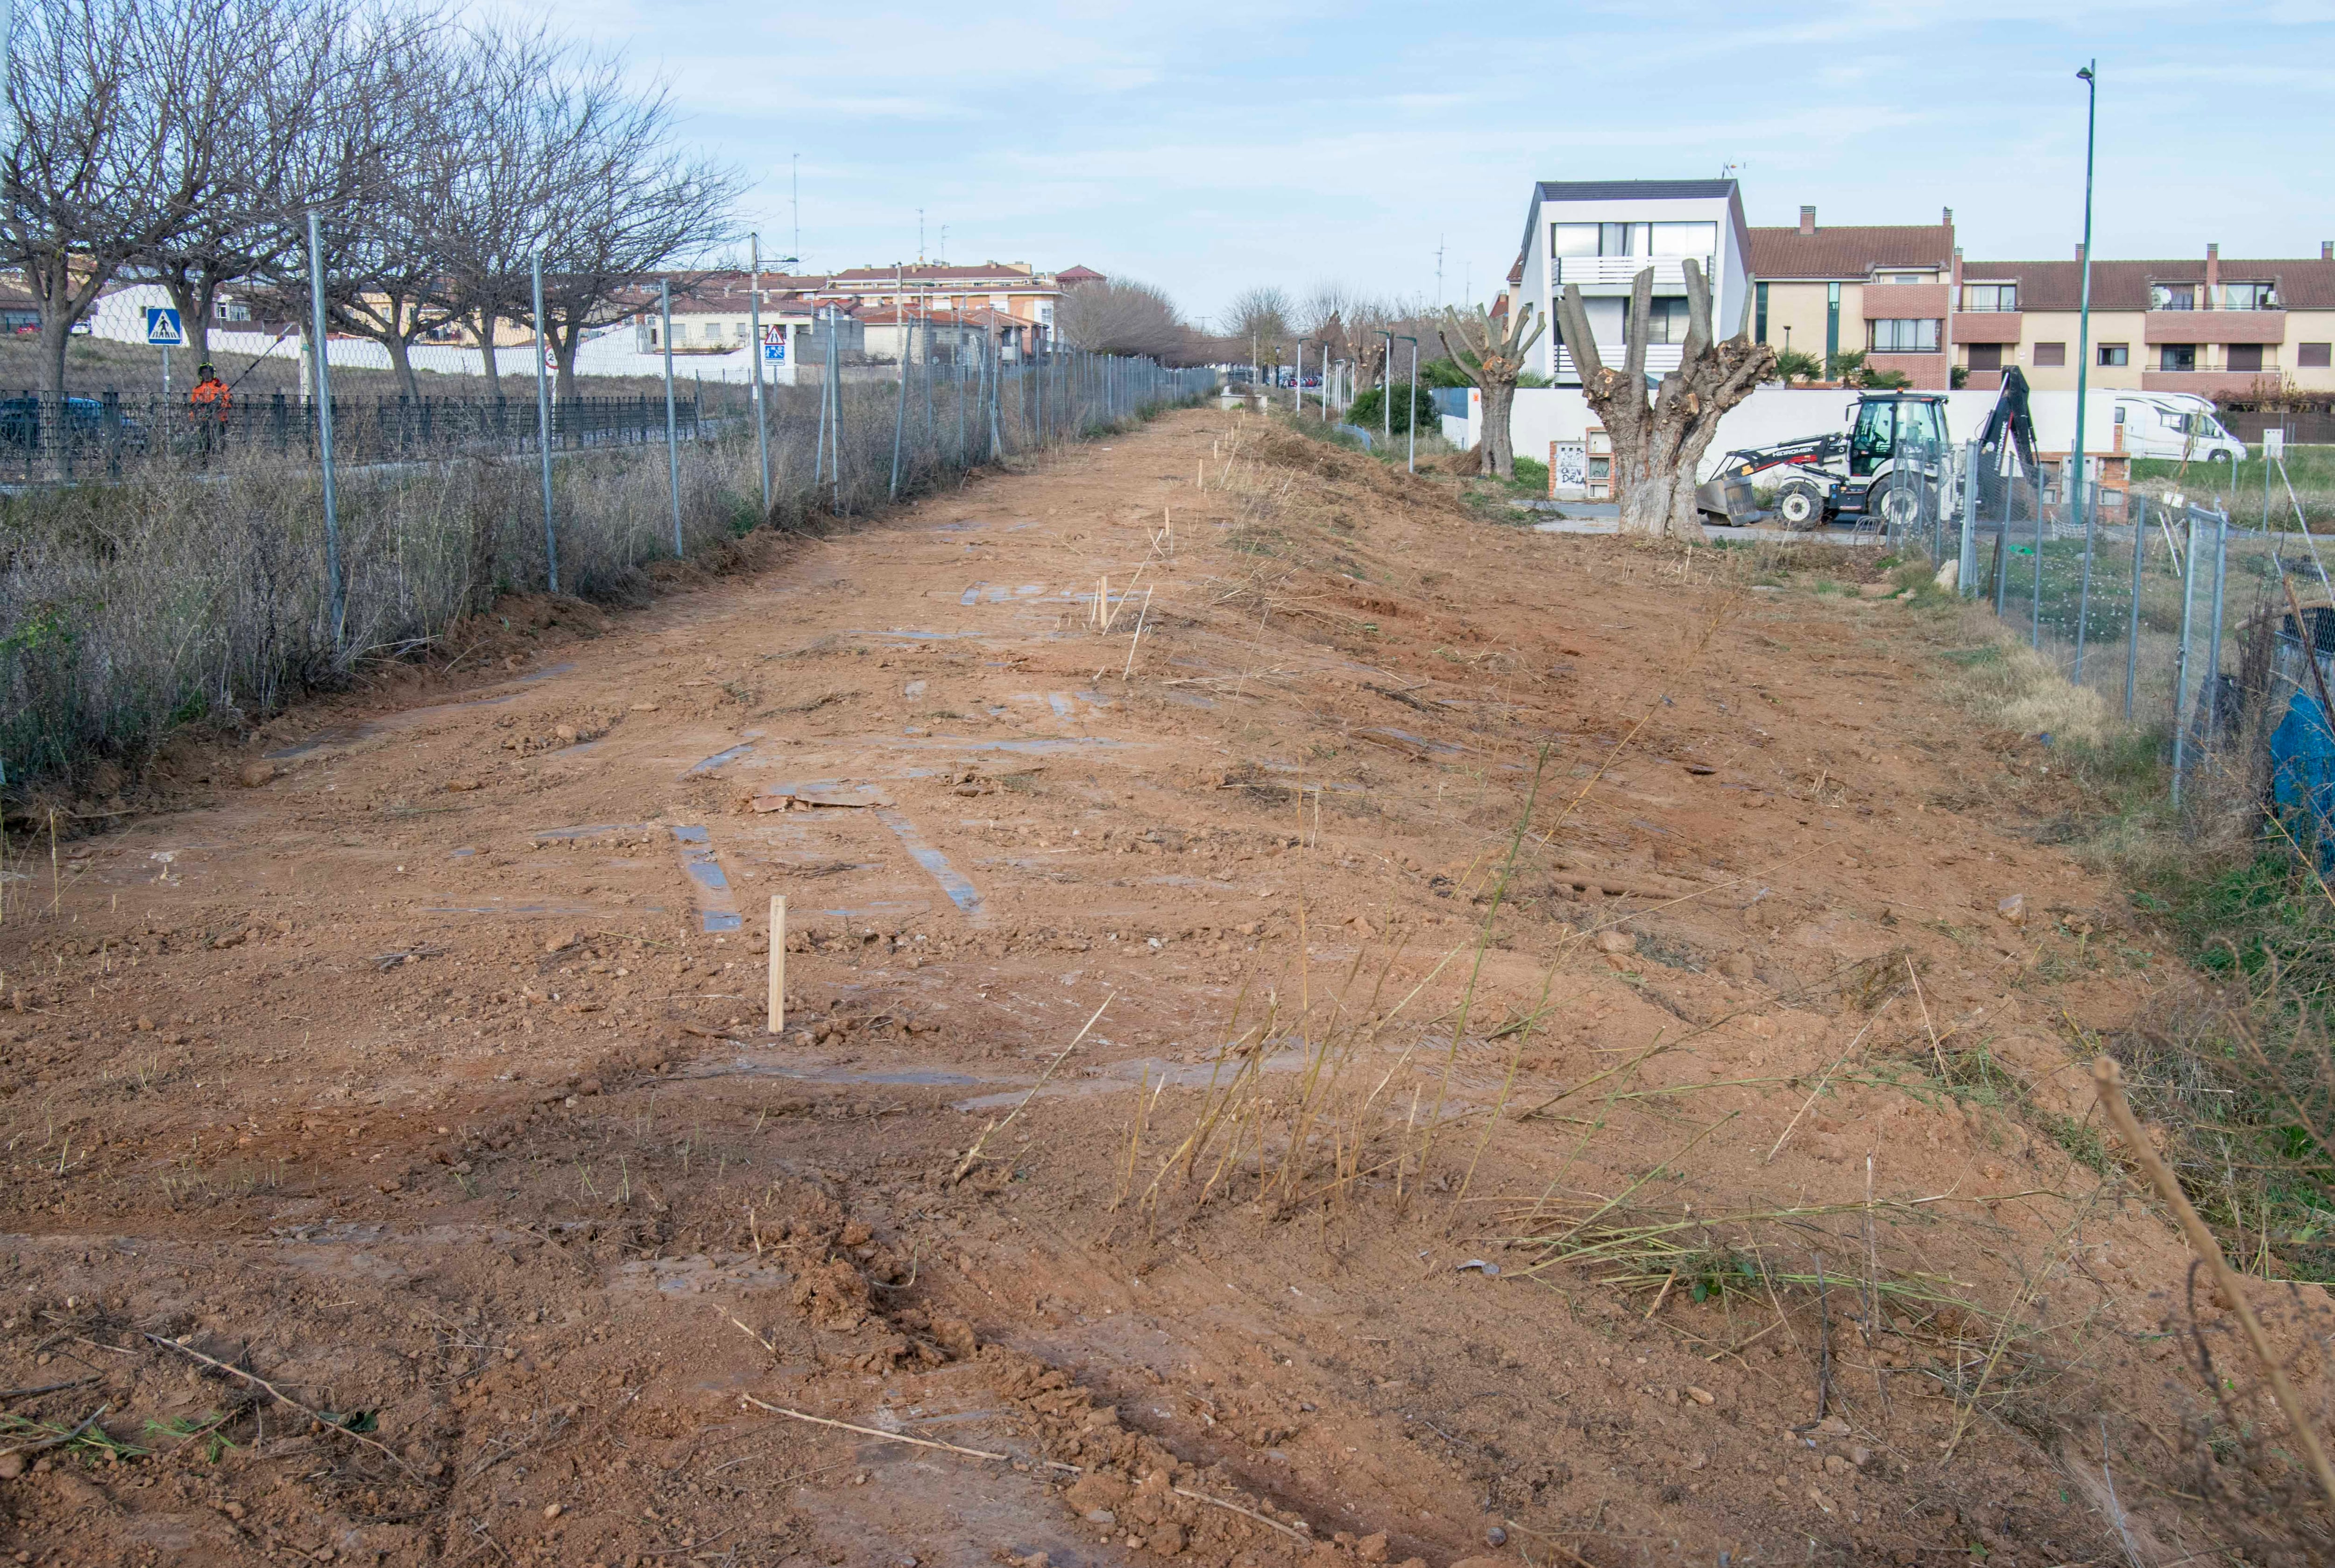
(1079, 275)
(1850, 251)
(881, 277)
(2303, 284)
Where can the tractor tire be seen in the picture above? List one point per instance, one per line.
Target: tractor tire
(1799, 506)
(1901, 508)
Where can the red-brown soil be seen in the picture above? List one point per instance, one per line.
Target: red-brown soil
(408, 1065)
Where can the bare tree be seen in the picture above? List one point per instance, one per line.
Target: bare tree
(98, 90)
(621, 204)
(487, 221)
(1121, 317)
(1258, 322)
(282, 87)
(1658, 442)
(1491, 350)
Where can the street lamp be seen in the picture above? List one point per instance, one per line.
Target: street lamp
(2083, 491)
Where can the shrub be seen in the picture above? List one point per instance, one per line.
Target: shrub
(1366, 411)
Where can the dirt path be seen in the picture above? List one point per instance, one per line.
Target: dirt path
(425, 1077)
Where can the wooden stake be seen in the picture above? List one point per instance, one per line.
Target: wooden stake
(778, 962)
(2109, 1079)
(1129, 672)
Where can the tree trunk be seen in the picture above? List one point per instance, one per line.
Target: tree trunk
(483, 322)
(563, 345)
(1659, 443)
(197, 302)
(1499, 450)
(401, 360)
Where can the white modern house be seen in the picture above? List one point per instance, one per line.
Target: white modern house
(1602, 233)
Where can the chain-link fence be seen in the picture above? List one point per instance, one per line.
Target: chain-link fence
(48, 440)
(2178, 620)
(158, 581)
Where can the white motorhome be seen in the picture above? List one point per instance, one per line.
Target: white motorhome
(2175, 425)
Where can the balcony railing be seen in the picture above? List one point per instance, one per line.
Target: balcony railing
(1622, 271)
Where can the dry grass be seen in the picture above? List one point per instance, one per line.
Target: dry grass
(132, 607)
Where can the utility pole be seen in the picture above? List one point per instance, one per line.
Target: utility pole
(920, 236)
(1438, 272)
(2072, 480)
(794, 182)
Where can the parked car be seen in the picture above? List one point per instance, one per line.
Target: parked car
(2175, 425)
(83, 426)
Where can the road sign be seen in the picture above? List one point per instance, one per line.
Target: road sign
(774, 345)
(162, 329)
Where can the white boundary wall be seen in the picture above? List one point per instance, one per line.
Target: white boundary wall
(1774, 413)
(120, 317)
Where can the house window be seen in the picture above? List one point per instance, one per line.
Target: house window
(2248, 296)
(1759, 308)
(231, 311)
(2172, 296)
(2113, 354)
(2313, 355)
(2245, 356)
(1908, 334)
(1989, 296)
(2176, 356)
(1572, 240)
(1695, 240)
(1986, 356)
(1666, 320)
(1899, 277)
(2049, 355)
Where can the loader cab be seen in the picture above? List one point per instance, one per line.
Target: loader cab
(1886, 422)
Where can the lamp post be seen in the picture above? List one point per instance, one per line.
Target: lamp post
(2081, 491)
(1410, 413)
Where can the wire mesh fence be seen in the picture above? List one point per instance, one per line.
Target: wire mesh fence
(163, 581)
(2172, 616)
(48, 440)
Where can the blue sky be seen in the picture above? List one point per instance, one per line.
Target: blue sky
(1206, 148)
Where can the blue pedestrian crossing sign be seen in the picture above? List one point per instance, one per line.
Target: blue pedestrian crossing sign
(162, 329)
(774, 344)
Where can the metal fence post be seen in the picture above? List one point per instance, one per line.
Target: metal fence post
(1966, 558)
(2002, 550)
(2136, 513)
(2089, 509)
(340, 607)
(2181, 657)
(2037, 607)
(761, 408)
(2214, 642)
(671, 441)
(835, 385)
(900, 400)
(543, 426)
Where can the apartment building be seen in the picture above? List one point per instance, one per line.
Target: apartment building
(1878, 290)
(2215, 327)
(1600, 234)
